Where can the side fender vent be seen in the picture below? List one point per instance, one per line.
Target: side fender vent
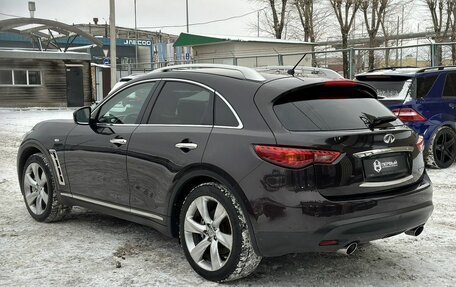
(58, 169)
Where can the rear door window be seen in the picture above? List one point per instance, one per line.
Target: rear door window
(183, 104)
(224, 117)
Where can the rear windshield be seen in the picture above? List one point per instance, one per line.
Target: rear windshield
(387, 86)
(323, 114)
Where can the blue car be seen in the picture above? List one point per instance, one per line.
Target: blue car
(425, 100)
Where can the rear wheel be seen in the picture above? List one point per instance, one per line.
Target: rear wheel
(214, 234)
(38, 189)
(442, 150)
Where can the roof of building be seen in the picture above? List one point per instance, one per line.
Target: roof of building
(186, 39)
(45, 32)
(47, 55)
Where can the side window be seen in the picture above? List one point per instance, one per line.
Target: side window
(183, 104)
(124, 107)
(450, 86)
(223, 114)
(424, 85)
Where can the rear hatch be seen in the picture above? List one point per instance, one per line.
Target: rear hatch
(338, 116)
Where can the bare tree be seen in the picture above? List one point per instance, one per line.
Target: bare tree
(305, 10)
(276, 17)
(441, 15)
(345, 11)
(373, 12)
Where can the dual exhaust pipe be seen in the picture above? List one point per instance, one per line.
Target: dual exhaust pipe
(349, 249)
(352, 247)
(415, 231)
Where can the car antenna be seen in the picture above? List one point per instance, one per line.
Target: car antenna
(292, 71)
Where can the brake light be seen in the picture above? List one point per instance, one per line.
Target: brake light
(408, 115)
(420, 143)
(295, 157)
(341, 83)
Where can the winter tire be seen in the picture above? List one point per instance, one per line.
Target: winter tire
(38, 189)
(215, 235)
(441, 152)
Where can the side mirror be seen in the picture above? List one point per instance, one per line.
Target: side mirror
(82, 116)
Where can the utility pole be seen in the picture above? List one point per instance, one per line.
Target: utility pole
(112, 38)
(258, 24)
(402, 30)
(136, 39)
(186, 12)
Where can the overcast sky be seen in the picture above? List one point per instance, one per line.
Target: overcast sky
(150, 13)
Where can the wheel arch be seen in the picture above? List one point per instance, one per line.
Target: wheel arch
(196, 175)
(26, 150)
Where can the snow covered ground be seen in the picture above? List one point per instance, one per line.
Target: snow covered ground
(84, 249)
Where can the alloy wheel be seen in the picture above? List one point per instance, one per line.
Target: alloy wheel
(445, 146)
(36, 189)
(208, 233)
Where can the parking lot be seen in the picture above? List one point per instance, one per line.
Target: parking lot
(91, 249)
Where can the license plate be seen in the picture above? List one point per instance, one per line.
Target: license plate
(385, 166)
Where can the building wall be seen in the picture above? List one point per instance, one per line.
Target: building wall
(252, 54)
(51, 93)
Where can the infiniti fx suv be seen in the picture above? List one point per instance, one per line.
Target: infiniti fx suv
(236, 164)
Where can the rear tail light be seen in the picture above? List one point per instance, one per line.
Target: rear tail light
(420, 143)
(408, 115)
(341, 83)
(295, 157)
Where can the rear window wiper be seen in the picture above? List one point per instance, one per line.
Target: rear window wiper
(373, 121)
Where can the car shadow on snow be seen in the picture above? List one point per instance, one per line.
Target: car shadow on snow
(370, 261)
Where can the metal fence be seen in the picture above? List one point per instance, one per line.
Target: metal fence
(418, 55)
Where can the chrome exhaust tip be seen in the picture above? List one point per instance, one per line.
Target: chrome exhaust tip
(415, 231)
(349, 249)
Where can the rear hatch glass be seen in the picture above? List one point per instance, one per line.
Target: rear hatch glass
(330, 108)
(388, 87)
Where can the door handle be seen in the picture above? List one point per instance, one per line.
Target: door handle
(118, 141)
(186, 145)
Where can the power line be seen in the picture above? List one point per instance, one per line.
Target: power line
(203, 23)
(10, 15)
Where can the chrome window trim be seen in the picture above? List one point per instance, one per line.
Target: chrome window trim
(373, 152)
(239, 126)
(173, 125)
(127, 85)
(387, 183)
(113, 206)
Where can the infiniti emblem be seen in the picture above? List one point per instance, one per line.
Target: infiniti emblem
(389, 138)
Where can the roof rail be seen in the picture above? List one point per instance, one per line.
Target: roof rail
(248, 73)
(391, 68)
(438, 68)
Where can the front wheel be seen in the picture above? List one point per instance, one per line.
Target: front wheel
(215, 235)
(38, 189)
(442, 149)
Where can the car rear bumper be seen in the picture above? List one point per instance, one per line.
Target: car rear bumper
(301, 229)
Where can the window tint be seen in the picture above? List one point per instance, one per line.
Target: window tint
(331, 114)
(34, 77)
(424, 85)
(124, 107)
(223, 114)
(184, 104)
(6, 77)
(20, 77)
(450, 86)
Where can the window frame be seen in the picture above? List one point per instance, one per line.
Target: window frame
(26, 76)
(214, 92)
